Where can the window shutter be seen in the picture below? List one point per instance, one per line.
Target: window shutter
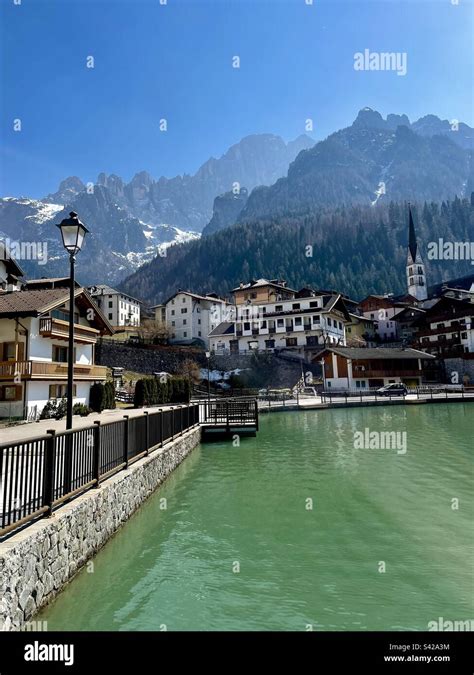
(19, 392)
(21, 351)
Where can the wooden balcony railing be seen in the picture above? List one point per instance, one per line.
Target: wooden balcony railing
(58, 329)
(49, 370)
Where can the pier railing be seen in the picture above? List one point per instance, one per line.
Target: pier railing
(39, 474)
(229, 414)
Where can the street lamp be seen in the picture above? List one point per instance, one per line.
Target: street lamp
(73, 233)
(208, 357)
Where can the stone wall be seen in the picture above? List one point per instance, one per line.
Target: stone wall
(464, 368)
(147, 360)
(38, 562)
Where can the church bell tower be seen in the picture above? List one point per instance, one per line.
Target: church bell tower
(416, 277)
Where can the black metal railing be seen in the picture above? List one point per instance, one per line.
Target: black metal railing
(229, 412)
(39, 474)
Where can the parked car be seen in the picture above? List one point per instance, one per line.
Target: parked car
(393, 389)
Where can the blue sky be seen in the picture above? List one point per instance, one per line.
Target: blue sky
(174, 61)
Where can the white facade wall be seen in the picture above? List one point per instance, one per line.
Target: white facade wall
(281, 320)
(385, 327)
(37, 393)
(188, 317)
(119, 309)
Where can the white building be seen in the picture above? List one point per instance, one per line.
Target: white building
(119, 308)
(192, 317)
(301, 321)
(34, 323)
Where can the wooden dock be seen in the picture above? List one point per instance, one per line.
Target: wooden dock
(229, 416)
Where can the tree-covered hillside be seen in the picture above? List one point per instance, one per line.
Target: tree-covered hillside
(357, 250)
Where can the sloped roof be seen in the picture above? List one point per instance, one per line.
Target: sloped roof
(224, 328)
(37, 302)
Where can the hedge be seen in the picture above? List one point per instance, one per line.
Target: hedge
(150, 391)
(102, 396)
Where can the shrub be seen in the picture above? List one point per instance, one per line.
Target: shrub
(150, 391)
(49, 410)
(61, 409)
(97, 397)
(102, 396)
(81, 409)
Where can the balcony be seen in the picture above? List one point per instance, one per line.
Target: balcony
(49, 370)
(59, 330)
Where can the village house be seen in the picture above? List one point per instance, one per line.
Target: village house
(120, 309)
(446, 329)
(352, 368)
(361, 331)
(191, 317)
(268, 315)
(34, 321)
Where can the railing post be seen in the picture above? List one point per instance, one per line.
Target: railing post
(227, 416)
(49, 457)
(172, 423)
(96, 456)
(68, 446)
(161, 414)
(125, 440)
(147, 432)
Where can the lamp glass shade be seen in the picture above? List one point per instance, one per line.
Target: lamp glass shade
(208, 355)
(73, 233)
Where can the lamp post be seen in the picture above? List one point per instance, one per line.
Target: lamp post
(208, 357)
(73, 233)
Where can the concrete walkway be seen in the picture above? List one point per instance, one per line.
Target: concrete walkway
(24, 431)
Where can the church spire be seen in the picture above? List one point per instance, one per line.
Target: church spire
(416, 278)
(412, 244)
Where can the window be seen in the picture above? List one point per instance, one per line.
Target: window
(184, 299)
(185, 334)
(60, 390)
(199, 333)
(172, 302)
(340, 325)
(247, 325)
(9, 352)
(316, 319)
(279, 308)
(63, 315)
(172, 312)
(329, 322)
(280, 322)
(184, 322)
(184, 310)
(313, 303)
(111, 304)
(199, 322)
(60, 354)
(270, 344)
(263, 324)
(296, 305)
(440, 325)
(297, 321)
(173, 323)
(464, 336)
(291, 342)
(110, 316)
(11, 393)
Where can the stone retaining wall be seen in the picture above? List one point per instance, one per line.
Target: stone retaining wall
(38, 562)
